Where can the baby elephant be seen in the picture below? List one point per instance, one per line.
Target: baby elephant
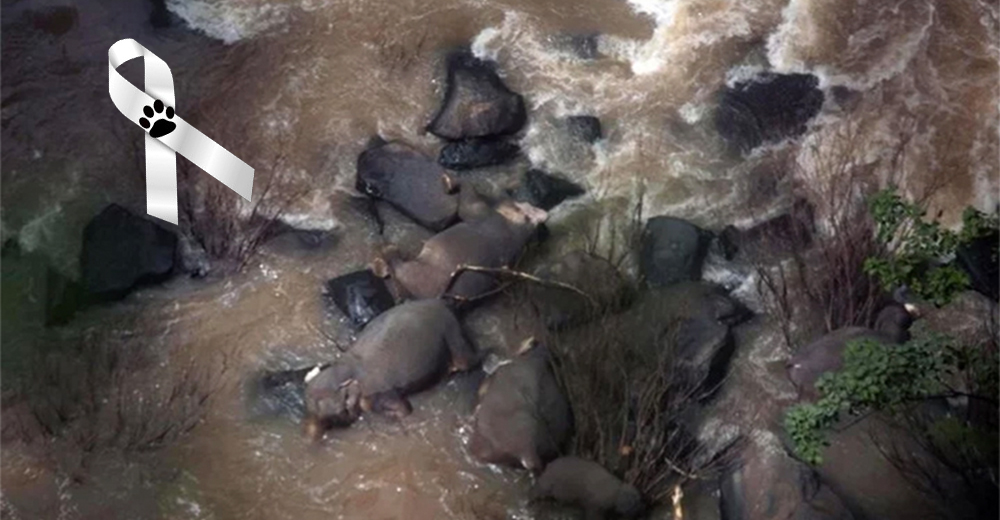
(586, 484)
(826, 353)
(403, 351)
(523, 418)
(486, 237)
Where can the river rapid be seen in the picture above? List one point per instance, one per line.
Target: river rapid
(297, 87)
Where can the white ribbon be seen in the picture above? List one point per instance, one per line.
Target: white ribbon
(161, 161)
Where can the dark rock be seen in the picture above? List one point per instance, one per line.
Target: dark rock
(476, 102)
(790, 232)
(584, 128)
(477, 153)
(545, 191)
(767, 109)
(273, 393)
(360, 296)
(63, 298)
(979, 259)
(409, 180)
(160, 17)
(122, 251)
(673, 250)
(585, 46)
(766, 485)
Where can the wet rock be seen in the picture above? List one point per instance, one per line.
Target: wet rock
(476, 102)
(477, 153)
(775, 238)
(979, 259)
(160, 17)
(561, 308)
(585, 46)
(767, 109)
(544, 190)
(584, 128)
(122, 251)
(360, 296)
(769, 485)
(409, 180)
(672, 251)
(273, 393)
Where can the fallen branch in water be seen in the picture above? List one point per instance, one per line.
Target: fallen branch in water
(506, 271)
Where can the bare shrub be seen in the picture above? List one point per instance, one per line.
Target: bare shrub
(99, 395)
(216, 218)
(630, 404)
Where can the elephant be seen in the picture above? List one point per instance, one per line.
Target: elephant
(586, 484)
(826, 353)
(489, 236)
(523, 418)
(400, 352)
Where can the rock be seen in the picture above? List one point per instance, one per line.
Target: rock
(561, 308)
(768, 485)
(277, 393)
(122, 251)
(767, 109)
(409, 180)
(544, 190)
(969, 318)
(476, 102)
(584, 128)
(979, 259)
(160, 17)
(360, 296)
(672, 251)
(773, 239)
(585, 46)
(477, 153)
(862, 466)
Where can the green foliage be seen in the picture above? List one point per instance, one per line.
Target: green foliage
(873, 377)
(920, 251)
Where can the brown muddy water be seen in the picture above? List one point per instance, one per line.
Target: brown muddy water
(296, 88)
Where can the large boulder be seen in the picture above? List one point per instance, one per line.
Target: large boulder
(476, 102)
(672, 251)
(768, 485)
(122, 250)
(584, 128)
(767, 109)
(360, 296)
(477, 153)
(544, 190)
(410, 181)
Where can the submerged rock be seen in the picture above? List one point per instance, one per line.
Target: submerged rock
(767, 109)
(122, 250)
(544, 190)
(673, 250)
(360, 296)
(476, 103)
(477, 153)
(584, 128)
(408, 180)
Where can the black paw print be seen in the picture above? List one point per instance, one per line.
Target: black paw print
(161, 127)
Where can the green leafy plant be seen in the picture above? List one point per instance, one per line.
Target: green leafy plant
(874, 377)
(921, 252)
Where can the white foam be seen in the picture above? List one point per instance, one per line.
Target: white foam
(228, 21)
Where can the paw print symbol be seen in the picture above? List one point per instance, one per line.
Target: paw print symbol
(161, 127)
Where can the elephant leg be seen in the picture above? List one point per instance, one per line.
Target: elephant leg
(463, 355)
(392, 404)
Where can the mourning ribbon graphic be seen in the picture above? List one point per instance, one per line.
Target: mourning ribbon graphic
(161, 162)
